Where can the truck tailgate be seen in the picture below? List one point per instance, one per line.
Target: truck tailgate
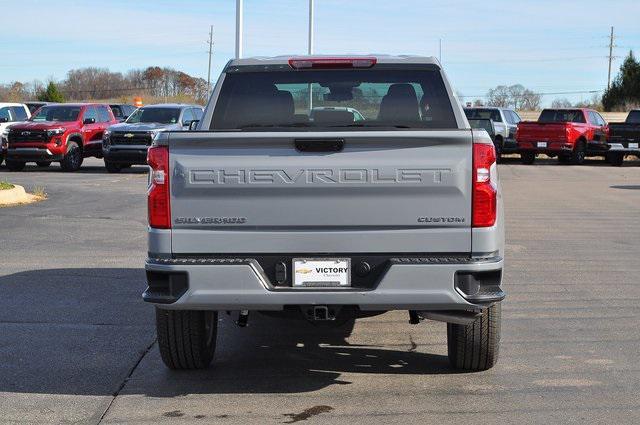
(384, 191)
(534, 131)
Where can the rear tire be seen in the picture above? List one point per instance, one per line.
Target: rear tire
(615, 159)
(111, 167)
(186, 338)
(72, 160)
(43, 164)
(579, 153)
(564, 159)
(15, 165)
(475, 347)
(528, 158)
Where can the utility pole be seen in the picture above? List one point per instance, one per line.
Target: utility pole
(310, 27)
(610, 58)
(210, 53)
(239, 19)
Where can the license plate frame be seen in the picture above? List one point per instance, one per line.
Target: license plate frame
(541, 144)
(301, 267)
(633, 145)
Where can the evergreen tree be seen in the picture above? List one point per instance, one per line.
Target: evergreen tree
(625, 89)
(51, 94)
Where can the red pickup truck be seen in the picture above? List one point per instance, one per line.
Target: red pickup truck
(65, 133)
(571, 134)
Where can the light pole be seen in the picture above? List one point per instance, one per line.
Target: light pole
(310, 51)
(239, 18)
(310, 27)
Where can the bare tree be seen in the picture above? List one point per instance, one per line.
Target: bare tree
(562, 102)
(530, 101)
(515, 96)
(499, 97)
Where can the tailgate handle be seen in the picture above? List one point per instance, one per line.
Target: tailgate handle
(319, 145)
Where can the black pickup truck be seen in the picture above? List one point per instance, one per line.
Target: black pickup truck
(624, 138)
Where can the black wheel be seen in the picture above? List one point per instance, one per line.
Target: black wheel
(615, 158)
(73, 158)
(186, 338)
(15, 165)
(43, 164)
(111, 167)
(475, 347)
(579, 153)
(528, 158)
(498, 145)
(564, 159)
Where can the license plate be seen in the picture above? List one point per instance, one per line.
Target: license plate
(633, 146)
(542, 144)
(321, 273)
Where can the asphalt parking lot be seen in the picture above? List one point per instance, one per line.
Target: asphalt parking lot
(77, 344)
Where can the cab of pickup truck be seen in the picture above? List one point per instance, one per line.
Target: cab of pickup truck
(273, 207)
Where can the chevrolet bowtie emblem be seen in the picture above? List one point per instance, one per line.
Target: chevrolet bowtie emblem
(128, 135)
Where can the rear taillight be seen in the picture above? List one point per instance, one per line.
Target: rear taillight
(485, 189)
(332, 63)
(158, 200)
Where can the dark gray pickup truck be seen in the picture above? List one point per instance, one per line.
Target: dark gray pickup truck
(624, 138)
(263, 209)
(126, 143)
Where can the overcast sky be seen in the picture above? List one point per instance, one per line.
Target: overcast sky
(548, 46)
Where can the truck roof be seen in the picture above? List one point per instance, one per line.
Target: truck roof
(381, 58)
(171, 105)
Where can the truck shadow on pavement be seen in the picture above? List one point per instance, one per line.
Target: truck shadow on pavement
(87, 332)
(85, 169)
(284, 356)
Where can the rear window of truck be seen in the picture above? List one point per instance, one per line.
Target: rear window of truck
(562, 115)
(333, 100)
(633, 117)
(483, 114)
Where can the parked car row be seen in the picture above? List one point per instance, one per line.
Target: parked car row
(121, 134)
(570, 134)
(69, 132)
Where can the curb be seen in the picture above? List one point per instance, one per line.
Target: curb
(17, 195)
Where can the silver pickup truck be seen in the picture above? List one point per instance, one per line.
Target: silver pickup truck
(264, 210)
(505, 122)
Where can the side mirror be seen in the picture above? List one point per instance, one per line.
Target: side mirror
(125, 117)
(4, 119)
(187, 123)
(89, 121)
(193, 126)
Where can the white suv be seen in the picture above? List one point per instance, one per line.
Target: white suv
(9, 114)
